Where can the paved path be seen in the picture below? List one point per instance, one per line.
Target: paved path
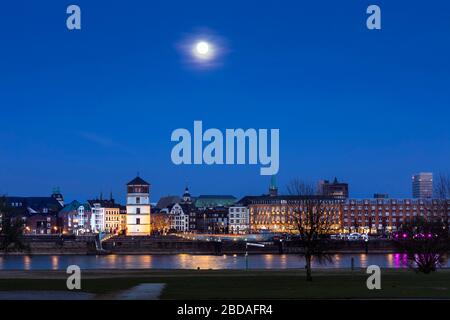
(45, 295)
(144, 291)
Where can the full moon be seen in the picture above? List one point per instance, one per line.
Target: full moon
(202, 48)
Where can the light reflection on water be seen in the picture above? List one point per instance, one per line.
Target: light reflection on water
(187, 261)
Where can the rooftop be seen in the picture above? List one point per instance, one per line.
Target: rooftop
(138, 181)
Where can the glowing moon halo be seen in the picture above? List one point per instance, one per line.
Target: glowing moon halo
(202, 47)
(203, 50)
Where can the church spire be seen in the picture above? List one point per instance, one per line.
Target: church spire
(273, 189)
(186, 195)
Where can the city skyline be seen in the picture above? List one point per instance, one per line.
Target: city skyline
(271, 185)
(86, 109)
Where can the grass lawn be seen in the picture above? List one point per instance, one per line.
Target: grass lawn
(283, 284)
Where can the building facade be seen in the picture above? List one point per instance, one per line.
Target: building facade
(279, 213)
(387, 215)
(39, 215)
(179, 217)
(238, 219)
(97, 217)
(106, 216)
(138, 208)
(212, 220)
(75, 218)
(422, 185)
(335, 189)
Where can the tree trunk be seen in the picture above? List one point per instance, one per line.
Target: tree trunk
(308, 267)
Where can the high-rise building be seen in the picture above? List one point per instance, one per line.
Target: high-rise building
(422, 185)
(335, 189)
(138, 207)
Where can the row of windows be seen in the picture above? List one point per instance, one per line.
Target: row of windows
(237, 221)
(238, 209)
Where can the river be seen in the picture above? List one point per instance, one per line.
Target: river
(188, 261)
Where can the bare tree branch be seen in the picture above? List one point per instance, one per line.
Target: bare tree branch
(313, 219)
(442, 186)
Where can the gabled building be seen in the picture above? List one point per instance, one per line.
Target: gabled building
(165, 202)
(105, 215)
(181, 214)
(38, 214)
(179, 217)
(75, 218)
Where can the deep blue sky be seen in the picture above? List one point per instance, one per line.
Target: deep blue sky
(86, 110)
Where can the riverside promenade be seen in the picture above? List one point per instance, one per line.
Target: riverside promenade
(55, 244)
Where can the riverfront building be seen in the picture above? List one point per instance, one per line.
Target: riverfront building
(278, 213)
(238, 219)
(106, 216)
(138, 207)
(75, 218)
(386, 215)
(39, 215)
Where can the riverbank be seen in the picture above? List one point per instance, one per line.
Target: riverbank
(235, 284)
(123, 245)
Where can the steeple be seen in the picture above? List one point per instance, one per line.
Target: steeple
(186, 195)
(273, 189)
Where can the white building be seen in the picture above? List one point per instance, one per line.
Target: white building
(138, 208)
(97, 217)
(179, 219)
(238, 219)
(80, 222)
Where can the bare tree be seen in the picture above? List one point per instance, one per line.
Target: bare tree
(313, 222)
(442, 192)
(426, 244)
(297, 187)
(11, 229)
(442, 186)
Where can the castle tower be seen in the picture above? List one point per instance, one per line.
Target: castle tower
(138, 207)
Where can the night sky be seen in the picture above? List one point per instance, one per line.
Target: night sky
(86, 110)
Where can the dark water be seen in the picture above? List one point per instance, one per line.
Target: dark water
(186, 261)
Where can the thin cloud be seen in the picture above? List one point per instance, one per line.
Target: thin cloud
(95, 138)
(105, 142)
